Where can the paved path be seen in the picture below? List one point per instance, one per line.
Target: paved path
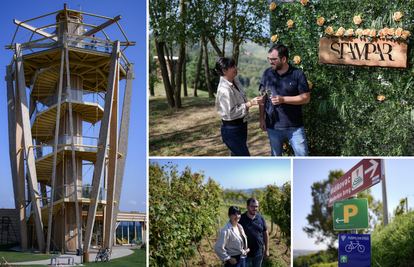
(117, 252)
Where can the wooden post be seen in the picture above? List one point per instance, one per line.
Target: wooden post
(19, 199)
(103, 142)
(21, 175)
(30, 161)
(52, 188)
(353, 231)
(122, 144)
(384, 195)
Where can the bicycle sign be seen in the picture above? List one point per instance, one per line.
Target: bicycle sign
(350, 247)
(354, 250)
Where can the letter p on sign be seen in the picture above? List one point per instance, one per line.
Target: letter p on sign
(348, 213)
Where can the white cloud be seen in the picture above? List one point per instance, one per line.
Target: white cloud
(132, 202)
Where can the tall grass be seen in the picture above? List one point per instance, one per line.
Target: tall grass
(393, 245)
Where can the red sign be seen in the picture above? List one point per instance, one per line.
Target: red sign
(363, 175)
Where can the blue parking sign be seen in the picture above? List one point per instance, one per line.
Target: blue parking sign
(354, 250)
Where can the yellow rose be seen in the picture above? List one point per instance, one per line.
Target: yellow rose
(340, 32)
(372, 33)
(284, 148)
(366, 32)
(290, 23)
(359, 32)
(385, 31)
(296, 59)
(350, 32)
(329, 30)
(321, 21)
(381, 97)
(398, 16)
(274, 38)
(391, 32)
(405, 35)
(381, 33)
(310, 85)
(304, 2)
(272, 6)
(398, 32)
(357, 20)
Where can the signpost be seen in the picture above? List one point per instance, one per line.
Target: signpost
(380, 52)
(350, 214)
(354, 250)
(362, 176)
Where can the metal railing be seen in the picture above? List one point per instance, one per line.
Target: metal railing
(80, 41)
(77, 95)
(87, 144)
(68, 191)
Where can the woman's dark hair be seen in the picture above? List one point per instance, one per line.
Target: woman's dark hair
(234, 210)
(223, 63)
(281, 49)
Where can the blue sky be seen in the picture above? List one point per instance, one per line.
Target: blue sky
(133, 23)
(399, 180)
(237, 173)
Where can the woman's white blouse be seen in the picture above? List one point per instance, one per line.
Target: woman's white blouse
(230, 102)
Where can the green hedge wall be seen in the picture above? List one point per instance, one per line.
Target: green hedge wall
(344, 116)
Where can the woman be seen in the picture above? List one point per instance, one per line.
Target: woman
(231, 245)
(233, 107)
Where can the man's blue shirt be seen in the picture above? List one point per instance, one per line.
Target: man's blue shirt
(254, 231)
(291, 83)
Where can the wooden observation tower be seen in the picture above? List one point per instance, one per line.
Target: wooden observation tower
(63, 80)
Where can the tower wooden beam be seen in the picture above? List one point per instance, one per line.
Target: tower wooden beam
(30, 160)
(72, 143)
(34, 29)
(102, 26)
(52, 188)
(112, 166)
(103, 141)
(19, 195)
(122, 144)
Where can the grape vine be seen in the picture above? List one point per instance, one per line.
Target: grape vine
(181, 209)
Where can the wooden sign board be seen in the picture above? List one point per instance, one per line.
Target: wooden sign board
(380, 52)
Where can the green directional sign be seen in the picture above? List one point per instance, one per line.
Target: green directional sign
(350, 214)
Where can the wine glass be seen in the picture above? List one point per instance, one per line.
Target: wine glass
(262, 92)
(269, 91)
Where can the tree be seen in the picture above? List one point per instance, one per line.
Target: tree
(321, 217)
(232, 20)
(402, 208)
(152, 66)
(169, 22)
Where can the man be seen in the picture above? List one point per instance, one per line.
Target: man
(254, 225)
(284, 108)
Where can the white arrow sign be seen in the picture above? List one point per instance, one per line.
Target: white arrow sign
(338, 220)
(373, 167)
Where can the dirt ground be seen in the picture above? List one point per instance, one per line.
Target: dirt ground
(194, 129)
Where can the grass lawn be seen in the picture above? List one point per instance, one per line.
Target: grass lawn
(194, 129)
(138, 258)
(15, 256)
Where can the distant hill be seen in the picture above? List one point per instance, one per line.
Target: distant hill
(256, 50)
(303, 252)
(250, 190)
